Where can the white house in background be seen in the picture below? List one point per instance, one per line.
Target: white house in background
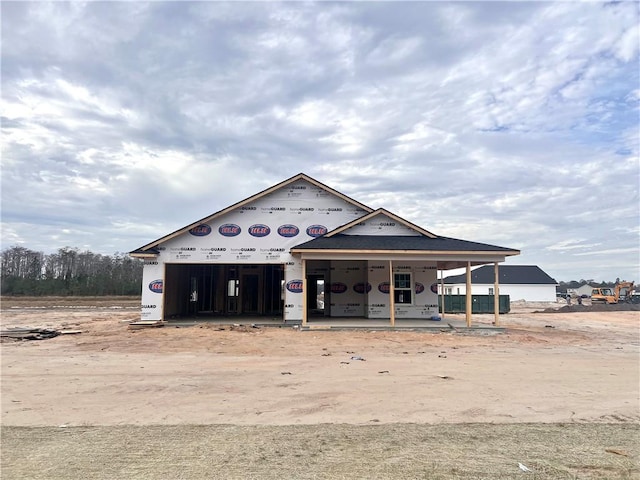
(520, 282)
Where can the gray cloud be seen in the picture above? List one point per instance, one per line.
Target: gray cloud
(508, 123)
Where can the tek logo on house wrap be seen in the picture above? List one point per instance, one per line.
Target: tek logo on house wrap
(433, 288)
(259, 230)
(294, 286)
(288, 231)
(420, 288)
(362, 287)
(383, 287)
(156, 286)
(316, 230)
(338, 287)
(229, 230)
(201, 230)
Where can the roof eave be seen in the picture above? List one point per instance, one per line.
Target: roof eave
(405, 252)
(143, 254)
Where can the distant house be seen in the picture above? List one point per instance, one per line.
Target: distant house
(520, 282)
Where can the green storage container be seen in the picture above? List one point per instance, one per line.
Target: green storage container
(479, 304)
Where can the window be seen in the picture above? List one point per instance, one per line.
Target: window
(448, 291)
(403, 288)
(490, 291)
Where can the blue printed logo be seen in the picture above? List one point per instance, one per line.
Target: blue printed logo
(229, 230)
(288, 231)
(201, 230)
(338, 287)
(316, 230)
(362, 287)
(156, 286)
(259, 230)
(295, 286)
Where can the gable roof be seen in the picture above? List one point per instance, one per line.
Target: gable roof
(149, 249)
(378, 212)
(509, 274)
(383, 243)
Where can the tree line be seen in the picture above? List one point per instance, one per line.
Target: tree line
(68, 272)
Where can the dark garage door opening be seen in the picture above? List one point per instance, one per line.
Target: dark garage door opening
(223, 290)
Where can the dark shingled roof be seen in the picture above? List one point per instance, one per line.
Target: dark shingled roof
(140, 250)
(509, 274)
(397, 242)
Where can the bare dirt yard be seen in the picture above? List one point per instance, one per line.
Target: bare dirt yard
(557, 392)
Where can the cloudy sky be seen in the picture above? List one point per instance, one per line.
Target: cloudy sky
(510, 123)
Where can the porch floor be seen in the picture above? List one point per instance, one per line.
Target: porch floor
(451, 322)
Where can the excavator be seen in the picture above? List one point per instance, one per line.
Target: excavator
(622, 292)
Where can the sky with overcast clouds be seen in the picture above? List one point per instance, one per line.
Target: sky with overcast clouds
(509, 123)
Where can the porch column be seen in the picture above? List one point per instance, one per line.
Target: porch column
(304, 292)
(496, 293)
(392, 296)
(468, 297)
(442, 293)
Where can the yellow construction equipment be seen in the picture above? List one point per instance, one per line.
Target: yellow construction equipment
(620, 293)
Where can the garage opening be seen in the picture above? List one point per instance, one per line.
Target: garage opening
(223, 290)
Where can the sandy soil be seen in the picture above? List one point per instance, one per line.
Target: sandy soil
(547, 367)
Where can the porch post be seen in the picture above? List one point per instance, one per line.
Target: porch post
(496, 293)
(304, 292)
(468, 297)
(392, 299)
(442, 292)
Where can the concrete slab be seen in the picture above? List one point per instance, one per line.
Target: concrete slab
(342, 323)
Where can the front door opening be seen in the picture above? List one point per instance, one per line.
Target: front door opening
(315, 294)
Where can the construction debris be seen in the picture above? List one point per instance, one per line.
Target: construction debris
(239, 327)
(30, 333)
(146, 324)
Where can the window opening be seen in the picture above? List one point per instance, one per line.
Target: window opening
(403, 288)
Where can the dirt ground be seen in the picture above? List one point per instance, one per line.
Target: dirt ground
(580, 369)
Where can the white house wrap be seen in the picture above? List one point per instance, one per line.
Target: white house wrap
(299, 249)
